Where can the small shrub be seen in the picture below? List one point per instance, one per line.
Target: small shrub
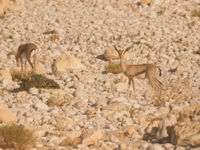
(37, 81)
(195, 13)
(54, 37)
(15, 136)
(16, 75)
(132, 112)
(113, 68)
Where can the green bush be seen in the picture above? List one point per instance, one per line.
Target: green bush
(16, 137)
(114, 68)
(37, 81)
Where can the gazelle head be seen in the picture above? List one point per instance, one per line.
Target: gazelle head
(121, 52)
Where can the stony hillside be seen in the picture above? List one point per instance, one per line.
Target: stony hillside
(91, 109)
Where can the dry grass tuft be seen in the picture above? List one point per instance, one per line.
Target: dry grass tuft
(113, 68)
(16, 137)
(132, 112)
(195, 13)
(54, 37)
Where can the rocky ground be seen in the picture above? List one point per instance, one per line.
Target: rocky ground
(90, 111)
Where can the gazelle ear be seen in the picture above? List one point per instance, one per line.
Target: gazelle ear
(115, 48)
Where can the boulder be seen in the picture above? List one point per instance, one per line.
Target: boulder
(66, 62)
(145, 1)
(64, 122)
(73, 138)
(115, 106)
(111, 54)
(10, 6)
(179, 127)
(7, 116)
(92, 136)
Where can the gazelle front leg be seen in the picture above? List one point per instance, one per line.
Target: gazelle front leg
(128, 88)
(133, 84)
(21, 60)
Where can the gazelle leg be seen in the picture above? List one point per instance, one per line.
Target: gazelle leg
(34, 62)
(128, 89)
(25, 66)
(29, 61)
(21, 60)
(133, 84)
(152, 83)
(156, 86)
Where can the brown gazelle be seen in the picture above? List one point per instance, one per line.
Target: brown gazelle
(24, 52)
(131, 71)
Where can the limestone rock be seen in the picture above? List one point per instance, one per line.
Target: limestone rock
(10, 5)
(73, 138)
(186, 131)
(39, 106)
(152, 129)
(145, 1)
(92, 136)
(7, 116)
(66, 62)
(155, 147)
(162, 127)
(180, 128)
(115, 106)
(111, 54)
(64, 122)
(3, 6)
(5, 75)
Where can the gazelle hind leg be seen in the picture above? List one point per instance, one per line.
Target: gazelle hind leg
(153, 84)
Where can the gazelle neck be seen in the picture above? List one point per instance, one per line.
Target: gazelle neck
(123, 64)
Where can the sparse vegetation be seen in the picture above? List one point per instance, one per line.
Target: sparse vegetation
(114, 68)
(36, 80)
(195, 13)
(54, 37)
(16, 137)
(132, 112)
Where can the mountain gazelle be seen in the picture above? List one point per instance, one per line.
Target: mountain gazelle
(24, 53)
(131, 71)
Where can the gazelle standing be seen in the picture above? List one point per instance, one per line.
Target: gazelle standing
(131, 71)
(24, 52)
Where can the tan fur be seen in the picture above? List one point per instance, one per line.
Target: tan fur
(24, 52)
(131, 71)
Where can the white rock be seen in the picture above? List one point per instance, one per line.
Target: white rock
(80, 94)
(66, 62)
(33, 91)
(7, 116)
(180, 148)
(55, 140)
(6, 82)
(41, 106)
(155, 147)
